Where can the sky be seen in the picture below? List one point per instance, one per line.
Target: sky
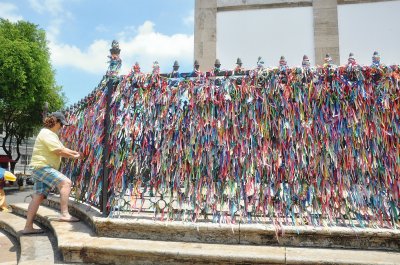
(80, 33)
(270, 33)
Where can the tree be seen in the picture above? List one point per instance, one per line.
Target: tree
(26, 82)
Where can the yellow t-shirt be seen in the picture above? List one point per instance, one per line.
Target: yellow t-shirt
(43, 151)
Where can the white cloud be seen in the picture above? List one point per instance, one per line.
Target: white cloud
(54, 7)
(148, 46)
(146, 28)
(144, 45)
(9, 11)
(189, 19)
(92, 60)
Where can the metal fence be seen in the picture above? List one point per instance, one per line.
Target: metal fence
(294, 145)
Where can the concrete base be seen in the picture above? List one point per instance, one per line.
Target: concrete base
(8, 249)
(78, 244)
(32, 249)
(142, 226)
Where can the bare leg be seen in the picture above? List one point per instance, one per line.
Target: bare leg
(65, 189)
(32, 210)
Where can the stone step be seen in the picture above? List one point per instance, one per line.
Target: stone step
(143, 226)
(8, 248)
(34, 249)
(78, 243)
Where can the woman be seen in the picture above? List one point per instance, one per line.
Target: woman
(46, 159)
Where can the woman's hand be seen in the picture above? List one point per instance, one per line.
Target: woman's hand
(77, 155)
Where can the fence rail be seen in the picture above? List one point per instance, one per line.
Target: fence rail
(296, 145)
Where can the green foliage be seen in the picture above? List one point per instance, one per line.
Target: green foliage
(26, 80)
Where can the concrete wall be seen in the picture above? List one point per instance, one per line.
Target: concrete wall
(326, 33)
(205, 33)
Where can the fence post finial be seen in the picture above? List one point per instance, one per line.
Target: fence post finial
(115, 60)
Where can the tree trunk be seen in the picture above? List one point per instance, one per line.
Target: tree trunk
(12, 166)
(19, 141)
(8, 153)
(10, 147)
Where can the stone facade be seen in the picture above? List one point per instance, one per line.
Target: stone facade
(205, 33)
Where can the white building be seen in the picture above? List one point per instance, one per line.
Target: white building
(25, 148)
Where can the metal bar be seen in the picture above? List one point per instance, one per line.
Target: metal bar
(220, 73)
(346, 2)
(305, 3)
(106, 152)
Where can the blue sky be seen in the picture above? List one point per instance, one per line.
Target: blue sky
(80, 33)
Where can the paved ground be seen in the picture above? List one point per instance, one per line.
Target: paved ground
(8, 244)
(14, 195)
(8, 249)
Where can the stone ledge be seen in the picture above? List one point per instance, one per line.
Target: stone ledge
(77, 244)
(84, 212)
(144, 227)
(330, 237)
(340, 256)
(35, 249)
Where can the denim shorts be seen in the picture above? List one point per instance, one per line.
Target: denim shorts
(46, 178)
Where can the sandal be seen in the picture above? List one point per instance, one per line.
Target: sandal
(32, 232)
(67, 219)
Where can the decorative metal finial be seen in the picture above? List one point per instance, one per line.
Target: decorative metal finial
(115, 61)
(156, 68)
(115, 50)
(175, 72)
(376, 59)
(282, 61)
(196, 65)
(260, 62)
(328, 62)
(136, 68)
(239, 68)
(306, 62)
(176, 66)
(351, 60)
(217, 64)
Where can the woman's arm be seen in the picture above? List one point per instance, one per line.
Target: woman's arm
(68, 153)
